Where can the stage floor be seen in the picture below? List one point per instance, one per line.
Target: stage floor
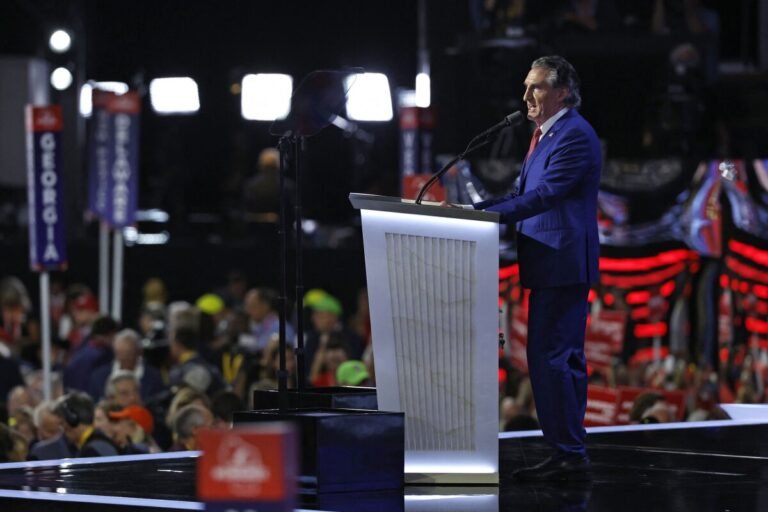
(714, 466)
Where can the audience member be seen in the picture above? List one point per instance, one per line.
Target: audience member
(95, 351)
(330, 354)
(77, 411)
(17, 329)
(324, 324)
(223, 407)
(83, 309)
(189, 367)
(13, 446)
(183, 397)
(269, 366)
(264, 321)
(122, 389)
(127, 350)
(47, 423)
(261, 193)
(132, 429)
(188, 421)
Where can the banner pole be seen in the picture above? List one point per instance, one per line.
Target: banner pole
(103, 268)
(117, 275)
(45, 321)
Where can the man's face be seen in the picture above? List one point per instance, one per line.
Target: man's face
(542, 100)
(126, 393)
(50, 426)
(256, 308)
(126, 353)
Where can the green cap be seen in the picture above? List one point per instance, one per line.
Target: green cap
(327, 303)
(351, 373)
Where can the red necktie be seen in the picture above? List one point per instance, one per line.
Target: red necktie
(534, 142)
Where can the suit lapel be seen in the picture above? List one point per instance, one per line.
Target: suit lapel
(545, 141)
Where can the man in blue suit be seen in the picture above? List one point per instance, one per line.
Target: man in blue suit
(555, 210)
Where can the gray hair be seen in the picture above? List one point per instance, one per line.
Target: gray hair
(188, 418)
(118, 376)
(43, 408)
(561, 74)
(130, 335)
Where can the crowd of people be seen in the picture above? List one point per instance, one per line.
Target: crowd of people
(149, 385)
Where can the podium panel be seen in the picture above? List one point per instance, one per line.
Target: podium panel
(433, 295)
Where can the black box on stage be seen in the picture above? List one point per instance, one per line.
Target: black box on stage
(344, 449)
(333, 397)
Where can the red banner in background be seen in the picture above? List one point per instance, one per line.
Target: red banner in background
(604, 338)
(611, 406)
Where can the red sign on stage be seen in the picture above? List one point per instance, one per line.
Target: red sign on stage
(250, 466)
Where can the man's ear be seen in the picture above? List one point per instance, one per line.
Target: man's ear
(562, 93)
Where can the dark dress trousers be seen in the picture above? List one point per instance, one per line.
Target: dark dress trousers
(555, 212)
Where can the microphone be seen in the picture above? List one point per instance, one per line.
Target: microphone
(479, 141)
(511, 120)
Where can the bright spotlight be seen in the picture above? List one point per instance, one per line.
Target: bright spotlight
(86, 94)
(423, 93)
(60, 41)
(176, 95)
(61, 78)
(266, 96)
(369, 98)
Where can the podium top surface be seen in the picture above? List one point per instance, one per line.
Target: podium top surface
(399, 205)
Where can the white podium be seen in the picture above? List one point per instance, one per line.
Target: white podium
(433, 294)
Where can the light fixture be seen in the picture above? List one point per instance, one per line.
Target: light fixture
(174, 95)
(60, 41)
(86, 94)
(266, 96)
(369, 98)
(61, 78)
(423, 92)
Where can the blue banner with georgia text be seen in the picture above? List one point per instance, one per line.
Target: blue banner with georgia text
(47, 247)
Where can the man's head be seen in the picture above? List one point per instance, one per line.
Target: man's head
(76, 411)
(127, 349)
(123, 388)
(188, 421)
(185, 339)
(131, 424)
(551, 84)
(259, 302)
(47, 423)
(325, 313)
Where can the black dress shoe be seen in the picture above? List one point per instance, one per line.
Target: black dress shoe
(558, 467)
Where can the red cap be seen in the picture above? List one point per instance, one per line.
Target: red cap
(136, 413)
(86, 301)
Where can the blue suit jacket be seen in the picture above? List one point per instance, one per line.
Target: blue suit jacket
(556, 207)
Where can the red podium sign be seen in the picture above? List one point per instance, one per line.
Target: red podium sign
(248, 468)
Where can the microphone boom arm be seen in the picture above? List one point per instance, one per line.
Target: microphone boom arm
(472, 147)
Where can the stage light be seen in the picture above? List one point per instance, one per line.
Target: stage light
(406, 98)
(266, 96)
(174, 95)
(423, 92)
(369, 98)
(86, 92)
(60, 41)
(61, 78)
